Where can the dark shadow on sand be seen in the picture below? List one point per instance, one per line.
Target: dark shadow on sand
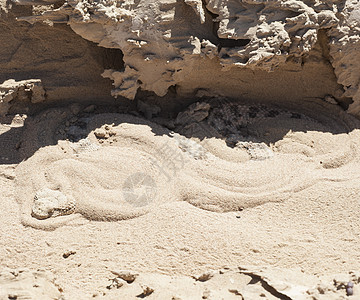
(12, 140)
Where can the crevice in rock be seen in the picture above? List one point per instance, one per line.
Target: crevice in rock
(172, 89)
(112, 59)
(230, 43)
(221, 42)
(59, 4)
(323, 40)
(214, 19)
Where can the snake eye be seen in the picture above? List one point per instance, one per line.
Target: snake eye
(42, 208)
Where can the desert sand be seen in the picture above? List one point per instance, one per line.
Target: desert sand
(179, 149)
(187, 217)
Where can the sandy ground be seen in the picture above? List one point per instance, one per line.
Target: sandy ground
(168, 209)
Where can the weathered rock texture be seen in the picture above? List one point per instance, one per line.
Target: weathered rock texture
(26, 90)
(259, 50)
(68, 66)
(345, 54)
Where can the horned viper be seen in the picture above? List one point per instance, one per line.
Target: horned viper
(231, 121)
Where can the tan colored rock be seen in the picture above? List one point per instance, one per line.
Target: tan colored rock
(27, 90)
(26, 284)
(170, 43)
(345, 54)
(268, 37)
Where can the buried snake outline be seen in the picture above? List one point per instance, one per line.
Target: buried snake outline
(216, 193)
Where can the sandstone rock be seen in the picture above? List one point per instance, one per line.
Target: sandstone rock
(172, 44)
(27, 90)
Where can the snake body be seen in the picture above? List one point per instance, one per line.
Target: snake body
(231, 121)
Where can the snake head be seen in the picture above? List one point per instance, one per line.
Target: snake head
(51, 203)
(43, 208)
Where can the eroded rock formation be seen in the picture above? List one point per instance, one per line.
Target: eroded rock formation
(26, 90)
(227, 48)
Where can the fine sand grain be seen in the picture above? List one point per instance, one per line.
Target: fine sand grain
(150, 200)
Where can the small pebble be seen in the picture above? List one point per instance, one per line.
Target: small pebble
(116, 283)
(128, 276)
(204, 277)
(100, 133)
(68, 253)
(146, 290)
(350, 289)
